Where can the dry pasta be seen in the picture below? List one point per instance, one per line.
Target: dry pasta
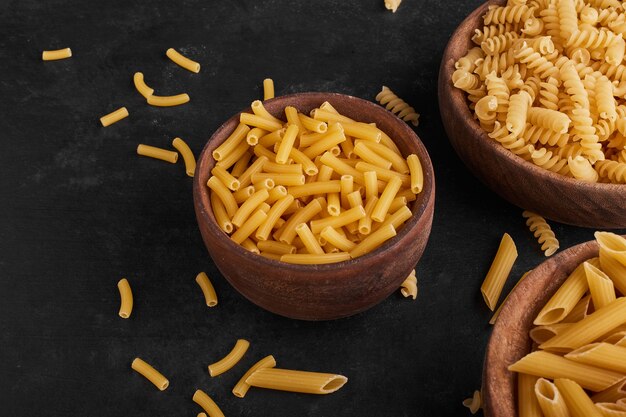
(542, 231)
(126, 298)
(157, 153)
(296, 381)
(409, 286)
(141, 86)
(392, 5)
(151, 374)
(168, 101)
(210, 296)
(473, 403)
(207, 404)
(242, 386)
(190, 160)
(114, 117)
(396, 105)
(268, 89)
(230, 360)
(499, 271)
(56, 54)
(183, 61)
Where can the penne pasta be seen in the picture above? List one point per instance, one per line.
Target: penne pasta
(182, 60)
(577, 401)
(157, 153)
(114, 117)
(495, 315)
(190, 160)
(151, 374)
(168, 101)
(242, 386)
(207, 404)
(611, 410)
(315, 259)
(126, 298)
(296, 381)
(581, 310)
(541, 334)
(210, 296)
(617, 339)
(268, 89)
(230, 360)
(141, 86)
(547, 397)
(611, 394)
(565, 298)
(601, 355)
(499, 271)
(56, 54)
(600, 286)
(613, 245)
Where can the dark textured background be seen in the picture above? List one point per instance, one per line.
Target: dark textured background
(80, 210)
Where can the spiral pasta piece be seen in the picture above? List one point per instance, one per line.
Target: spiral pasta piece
(514, 80)
(591, 38)
(604, 99)
(548, 160)
(549, 93)
(507, 14)
(515, 144)
(497, 63)
(551, 23)
(568, 18)
(518, 111)
(535, 134)
(499, 43)
(581, 169)
(615, 50)
(397, 106)
(542, 231)
(549, 119)
(534, 61)
(492, 30)
(465, 80)
(533, 27)
(486, 112)
(468, 62)
(612, 170)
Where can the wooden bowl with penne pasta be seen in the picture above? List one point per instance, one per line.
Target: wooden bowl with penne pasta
(317, 251)
(535, 163)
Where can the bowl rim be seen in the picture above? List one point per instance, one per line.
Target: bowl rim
(459, 96)
(425, 198)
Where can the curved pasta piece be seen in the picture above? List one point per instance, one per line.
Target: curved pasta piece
(409, 286)
(126, 298)
(542, 231)
(151, 374)
(207, 404)
(168, 101)
(242, 386)
(141, 86)
(182, 60)
(185, 151)
(230, 360)
(210, 296)
(581, 169)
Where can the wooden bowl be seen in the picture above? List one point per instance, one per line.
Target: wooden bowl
(509, 340)
(320, 292)
(522, 183)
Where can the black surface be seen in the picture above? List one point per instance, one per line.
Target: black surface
(80, 210)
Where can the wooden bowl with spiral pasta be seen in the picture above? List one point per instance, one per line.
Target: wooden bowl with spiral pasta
(554, 196)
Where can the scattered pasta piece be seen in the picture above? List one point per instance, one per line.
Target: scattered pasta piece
(296, 381)
(56, 54)
(242, 386)
(497, 312)
(396, 105)
(126, 298)
(190, 160)
(268, 89)
(167, 101)
(474, 403)
(392, 5)
(150, 374)
(141, 86)
(183, 61)
(207, 289)
(207, 404)
(114, 117)
(499, 271)
(157, 153)
(230, 360)
(542, 231)
(409, 286)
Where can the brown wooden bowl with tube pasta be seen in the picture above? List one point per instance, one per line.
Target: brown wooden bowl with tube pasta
(522, 183)
(328, 291)
(510, 340)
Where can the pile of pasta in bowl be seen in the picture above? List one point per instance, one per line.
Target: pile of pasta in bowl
(547, 81)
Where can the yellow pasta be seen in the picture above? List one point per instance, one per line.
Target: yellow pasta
(229, 145)
(168, 101)
(499, 271)
(141, 86)
(368, 155)
(601, 355)
(151, 374)
(611, 410)
(190, 160)
(157, 153)
(336, 239)
(313, 125)
(474, 403)
(495, 315)
(268, 89)
(373, 240)
(230, 360)
(334, 136)
(548, 398)
(126, 298)
(296, 381)
(612, 394)
(542, 231)
(251, 204)
(286, 144)
(242, 386)
(224, 195)
(577, 401)
(114, 117)
(342, 219)
(275, 213)
(278, 248)
(301, 216)
(182, 61)
(279, 179)
(56, 54)
(207, 404)
(281, 168)
(261, 122)
(384, 202)
(221, 216)
(600, 286)
(565, 298)
(313, 188)
(249, 226)
(210, 296)
(409, 286)
(528, 405)
(417, 175)
(315, 259)
(309, 240)
(396, 105)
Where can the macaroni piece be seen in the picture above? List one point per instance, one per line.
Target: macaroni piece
(190, 160)
(167, 101)
(296, 381)
(141, 86)
(126, 298)
(230, 360)
(114, 117)
(268, 89)
(151, 374)
(210, 295)
(207, 404)
(183, 61)
(157, 153)
(56, 54)
(242, 386)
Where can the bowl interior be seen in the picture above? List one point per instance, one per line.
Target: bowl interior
(361, 110)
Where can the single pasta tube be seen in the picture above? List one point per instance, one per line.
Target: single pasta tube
(219, 211)
(341, 167)
(384, 202)
(373, 240)
(602, 355)
(409, 286)
(296, 381)
(333, 204)
(242, 386)
(249, 226)
(541, 334)
(326, 115)
(242, 194)
(259, 109)
(365, 224)
(309, 240)
(182, 61)
(397, 161)
(368, 155)
(253, 136)
(336, 239)
(251, 204)
(577, 401)
(168, 101)
(258, 121)
(251, 246)
(362, 131)
(279, 179)
(271, 139)
(611, 410)
(383, 174)
(114, 117)
(224, 195)
(342, 219)
(495, 315)
(313, 125)
(56, 54)
(226, 178)
(300, 158)
(245, 178)
(207, 404)
(291, 113)
(612, 394)
(150, 374)
(210, 296)
(600, 286)
(157, 153)
(235, 138)
(613, 245)
(565, 298)
(313, 188)
(141, 86)
(232, 158)
(371, 185)
(286, 144)
(417, 175)
(347, 146)
(268, 89)
(315, 259)
(499, 271)
(272, 246)
(270, 166)
(190, 160)
(308, 139)
(347, 187)
(548, 398)
(126, 298)
(527, 401)
(230, 360)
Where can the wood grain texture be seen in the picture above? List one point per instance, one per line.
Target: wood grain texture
(320, 292)
(509, 340)
(554, 196)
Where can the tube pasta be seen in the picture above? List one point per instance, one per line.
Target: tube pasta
(126, 298)
(600, 286)
(224, 195)
(251, 204)
(242, 386)
(315, 259)
(261, 122)
(577, 401)
(221, 216)
(541, 334)
(207, 404)
(384, 202)
(409, 286)
(190, 160)
(210, 296)
(151, 374)
(549, 399)
(157, 153)
(182, 60)
(249, 226)
(601, 355)
(296, 381)
(495, 315)
(229, 145)
(309, 240)
(268, 89)
(499, 271)
(611, 409)
(141, 86)
(474, 403)
(417, 175)
(528, 406)
(114, 117)
(56, 54)
(168, 101)
(565, 298)
(230, 360)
